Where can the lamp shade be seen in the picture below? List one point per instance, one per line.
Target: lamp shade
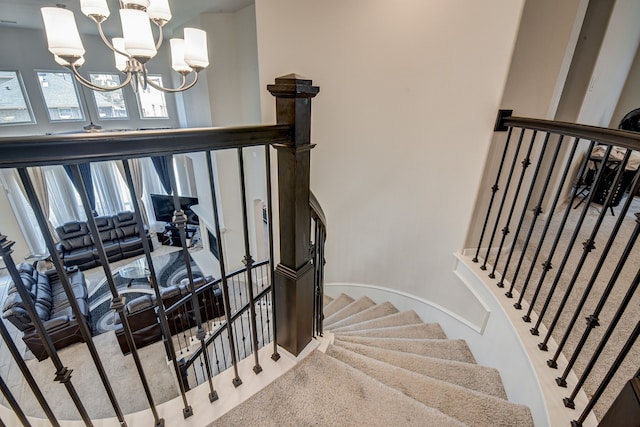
(159, 10)
(195, 48)
(177, 57)
(62, 33)
(138, 39)
(95, 7)
(121, 60)
(136, 3)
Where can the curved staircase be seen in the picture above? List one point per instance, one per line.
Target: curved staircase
(382, 368)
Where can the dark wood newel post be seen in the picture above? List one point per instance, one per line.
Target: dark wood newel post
(294, 273)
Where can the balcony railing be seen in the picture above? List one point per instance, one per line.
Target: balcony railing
(553, 186)
(217, 322)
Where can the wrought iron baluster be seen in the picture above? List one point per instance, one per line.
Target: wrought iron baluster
(153, 279)
(559, 189)
(494, 190)
(610, 373)
(33, 385)
(66, 285)
(587, 246)
(180, 220)
(593, 320)
(565, 259)
(225, 287)
(118, 302)
(547, 265)
(248, 262)
(525, 165)
(63, 374)
(503, 200)
(267, 155)
(13, 402)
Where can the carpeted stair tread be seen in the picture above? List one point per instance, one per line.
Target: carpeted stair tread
(323, 391)
(420, 330)
(373, 312)
(357, 306)
(397, 319)
(337, 304)
(457, 350)
(469, 375)
(326, 299)
(468, 406)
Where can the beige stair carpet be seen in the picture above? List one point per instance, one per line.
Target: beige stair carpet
(420, 330)
(468, 406)
(469, 375)
(351, 309)
(398, 319)
(337, 304)
(326, 299)
(322, 391)
(442, 349)
(374, 312)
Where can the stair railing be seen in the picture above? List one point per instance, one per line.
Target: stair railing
(317, 255)
(541, 214)
(252, 291)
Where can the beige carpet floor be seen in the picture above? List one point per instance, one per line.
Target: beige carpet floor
(379, 378)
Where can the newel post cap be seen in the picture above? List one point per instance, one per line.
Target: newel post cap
(293, 86)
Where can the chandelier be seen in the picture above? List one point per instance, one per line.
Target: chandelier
(134, 49)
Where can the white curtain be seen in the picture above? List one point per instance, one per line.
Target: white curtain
(112, 193)
(64, 201)
(39, 182)
(183, 168)
(152, 185)
(23, 212)
(135, 165)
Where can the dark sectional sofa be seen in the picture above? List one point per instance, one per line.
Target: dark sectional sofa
(144, 322)
(119, 234)
(51, 305)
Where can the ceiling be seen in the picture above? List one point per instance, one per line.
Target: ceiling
(26, 13)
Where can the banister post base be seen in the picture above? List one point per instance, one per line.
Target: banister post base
(294, 293)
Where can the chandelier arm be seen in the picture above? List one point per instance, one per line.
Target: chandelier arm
(183, 86)
(160, 35)
(93, 86)
(108, 43)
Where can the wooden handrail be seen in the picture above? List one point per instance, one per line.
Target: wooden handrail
(101, 146)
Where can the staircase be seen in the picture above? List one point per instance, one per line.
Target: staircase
(382, 368)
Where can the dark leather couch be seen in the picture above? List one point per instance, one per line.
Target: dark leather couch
(119, 234)
(144, 322)
(52, 306)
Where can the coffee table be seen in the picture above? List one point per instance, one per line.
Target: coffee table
(136, 270)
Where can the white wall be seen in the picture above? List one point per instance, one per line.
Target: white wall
(231, 98)
(614, 62)
(408, 97)
(630, 96)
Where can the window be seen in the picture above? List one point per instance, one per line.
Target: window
(60, 96)
(151, 100)
(14, 105)
(110, 105)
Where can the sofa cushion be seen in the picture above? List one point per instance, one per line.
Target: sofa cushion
(74, 235)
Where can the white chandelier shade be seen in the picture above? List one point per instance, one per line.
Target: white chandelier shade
(63, 38)
(134, 49)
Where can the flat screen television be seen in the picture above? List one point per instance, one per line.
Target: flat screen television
(163, 208)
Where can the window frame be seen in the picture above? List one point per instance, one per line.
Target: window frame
(122, 91)
(25, 97)
(164, 98)
(77, 92)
